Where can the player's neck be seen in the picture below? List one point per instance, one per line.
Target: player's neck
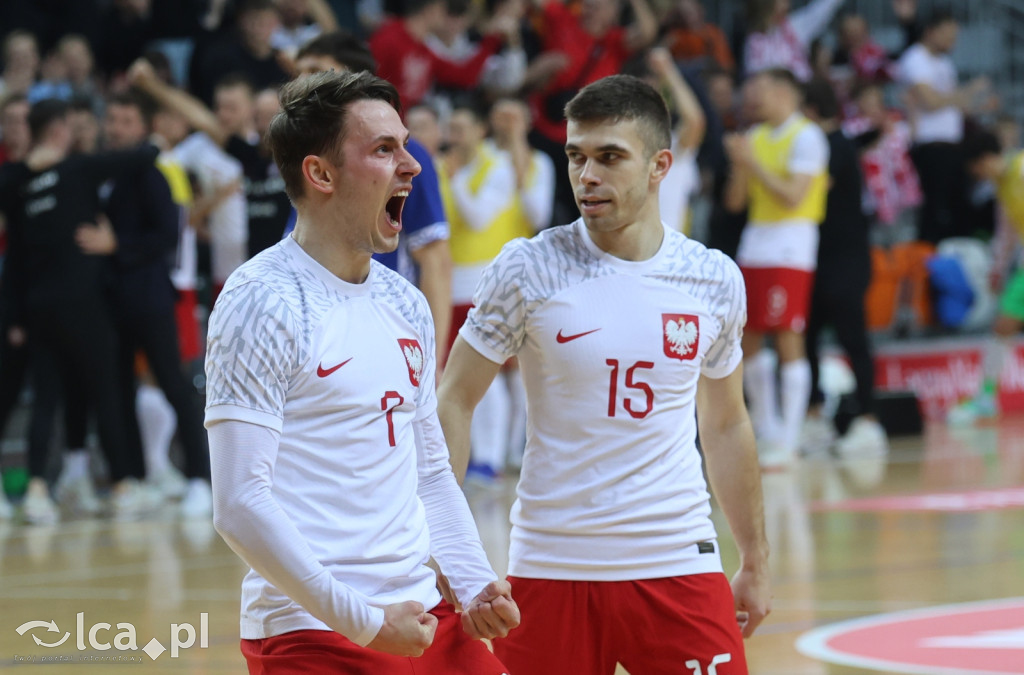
(461, 157)
(1001, 168)
(325, 245)
(43, 156)
(636, 242)
(780, 118)
(829, 125)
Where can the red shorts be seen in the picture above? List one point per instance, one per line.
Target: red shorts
(189, 343)
(777, 298)
(652, 626)
(320, 651)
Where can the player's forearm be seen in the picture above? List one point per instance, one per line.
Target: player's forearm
(520, 152)
(322, 15)
(454, 540)
(931, 100)
(539, 198)
(692, 120)
(253, 524)
(731, 457)
(737, 190)
(811, 21)
(192, 109)
(479, 208)
(790, 190)
(456, 417)
(645, 29)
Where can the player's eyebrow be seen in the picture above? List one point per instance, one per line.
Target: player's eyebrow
(390, 139)
(608, 147)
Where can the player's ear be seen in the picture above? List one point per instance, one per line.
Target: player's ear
(660, 164)
(319, 173)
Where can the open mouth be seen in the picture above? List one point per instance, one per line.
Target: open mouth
(394, 207)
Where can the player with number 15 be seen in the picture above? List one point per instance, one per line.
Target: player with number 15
(622, 327)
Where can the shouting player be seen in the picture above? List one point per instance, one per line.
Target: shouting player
(330, 474)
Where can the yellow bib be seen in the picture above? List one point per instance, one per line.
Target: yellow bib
(773, 154)
(473, 247)
(1011, 191)
(177, 179)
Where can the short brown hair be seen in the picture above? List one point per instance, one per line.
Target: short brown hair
(621, 98)
(312, 118)
(782, 76)
(134, 98)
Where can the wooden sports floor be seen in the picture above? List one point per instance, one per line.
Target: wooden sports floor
(838, 554)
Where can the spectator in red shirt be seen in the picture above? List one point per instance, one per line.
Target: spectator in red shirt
(577, 50)
(692, 40)
(869, 61)
(404, 60)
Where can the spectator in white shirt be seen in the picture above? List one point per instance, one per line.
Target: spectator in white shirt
(937, 107)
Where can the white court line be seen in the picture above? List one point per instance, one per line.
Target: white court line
(815, 643)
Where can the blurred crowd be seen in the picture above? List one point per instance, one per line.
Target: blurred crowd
(129, 253)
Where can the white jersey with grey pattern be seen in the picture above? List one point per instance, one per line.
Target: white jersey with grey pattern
(611, 353)
(345, 373)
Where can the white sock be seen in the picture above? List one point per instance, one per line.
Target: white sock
(517, 414)
(157, 422)
(195, 484)
(996, 352)
(795, 380)
(76, 464)
(488, 433)
(759, 382)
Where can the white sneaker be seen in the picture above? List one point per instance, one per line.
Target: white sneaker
(39, 509)
(6, 510)
(170, 483)
(78, 496)
(818, 435)
(865, 437)
(968, 412)
(131, 499)
(198, 500)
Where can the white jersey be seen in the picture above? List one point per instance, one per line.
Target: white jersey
(229, 221)
(611, 352)
(345, 373)
(920, 66)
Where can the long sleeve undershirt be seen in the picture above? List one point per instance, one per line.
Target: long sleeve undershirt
(260, 532)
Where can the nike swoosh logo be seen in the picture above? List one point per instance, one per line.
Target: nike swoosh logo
(324, 372)
(562, 339)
